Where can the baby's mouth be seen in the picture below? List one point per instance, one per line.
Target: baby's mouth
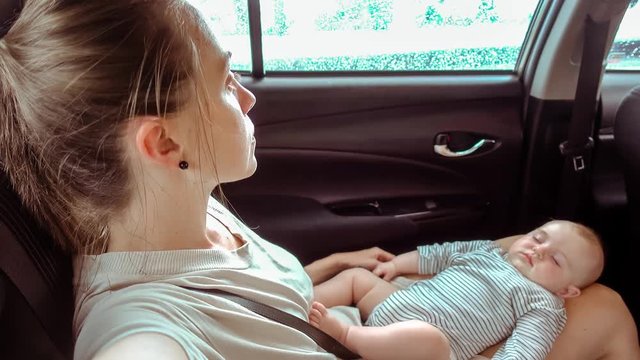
(528, 258)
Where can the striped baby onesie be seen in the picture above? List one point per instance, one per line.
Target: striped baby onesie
(477, 299)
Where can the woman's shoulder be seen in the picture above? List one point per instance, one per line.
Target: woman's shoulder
(200, 323)
(148, 313)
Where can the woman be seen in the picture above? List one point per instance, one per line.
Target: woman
(118, 120)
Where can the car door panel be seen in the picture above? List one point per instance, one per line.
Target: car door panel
(314, 95)
(347, 200)
(361, 170)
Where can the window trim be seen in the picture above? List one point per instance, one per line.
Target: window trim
(537, 30)
(255, 39)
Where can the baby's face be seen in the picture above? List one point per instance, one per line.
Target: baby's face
(556, 257)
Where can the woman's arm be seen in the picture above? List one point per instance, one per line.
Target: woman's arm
(325, 268)
(152, 346)
(599, 326)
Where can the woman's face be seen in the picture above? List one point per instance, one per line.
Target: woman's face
(225, 133)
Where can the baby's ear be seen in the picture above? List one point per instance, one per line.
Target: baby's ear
(569, 292)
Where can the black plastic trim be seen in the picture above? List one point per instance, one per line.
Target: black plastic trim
(255, 38)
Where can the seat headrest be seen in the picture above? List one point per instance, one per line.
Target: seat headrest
(627, 129)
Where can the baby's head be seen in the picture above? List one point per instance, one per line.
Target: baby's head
(561, 256)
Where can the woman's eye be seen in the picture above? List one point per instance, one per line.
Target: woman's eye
(230, 82)
(234, 77)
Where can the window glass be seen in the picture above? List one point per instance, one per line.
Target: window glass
(394, 35)
(625, 51)
(229, 21)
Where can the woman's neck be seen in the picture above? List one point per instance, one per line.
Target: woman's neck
(158, 219)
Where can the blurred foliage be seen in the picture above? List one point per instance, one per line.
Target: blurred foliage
(352, 15)
(501, 58)
(439, 12)
(357, 15)
(282, 22)
(379, 14)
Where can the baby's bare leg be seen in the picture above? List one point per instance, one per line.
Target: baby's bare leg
(404, 340)
(354, 286)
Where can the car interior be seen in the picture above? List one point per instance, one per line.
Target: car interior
(349, 160)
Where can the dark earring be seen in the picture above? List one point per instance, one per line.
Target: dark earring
(183, 165)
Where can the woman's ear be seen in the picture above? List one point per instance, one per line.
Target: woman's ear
(153, 142)
(569, 292)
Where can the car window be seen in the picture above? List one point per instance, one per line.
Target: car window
(394, 35)
(376, 35)
(625, 51)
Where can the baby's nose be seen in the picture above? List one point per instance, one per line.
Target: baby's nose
(541, 250)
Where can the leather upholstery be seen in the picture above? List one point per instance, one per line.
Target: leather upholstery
(627, 139)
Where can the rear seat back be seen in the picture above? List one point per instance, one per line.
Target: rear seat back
(36, 297)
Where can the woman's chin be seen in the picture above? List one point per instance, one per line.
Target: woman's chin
(247, 172)
(252, 166)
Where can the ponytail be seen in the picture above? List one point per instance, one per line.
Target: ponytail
(23, 164)
(71, 75)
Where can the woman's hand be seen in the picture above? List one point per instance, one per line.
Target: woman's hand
(325, 268)
(368, 258)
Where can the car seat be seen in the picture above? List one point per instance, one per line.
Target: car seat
(627, 140)
(36, 297)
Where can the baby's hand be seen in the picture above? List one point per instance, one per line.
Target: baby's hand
(386, 270)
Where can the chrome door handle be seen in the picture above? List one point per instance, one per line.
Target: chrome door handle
(443, 149)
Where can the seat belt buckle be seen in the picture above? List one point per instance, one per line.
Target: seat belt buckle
(577, 153)
(578, 163)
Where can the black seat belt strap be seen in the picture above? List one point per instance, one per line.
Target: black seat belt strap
(578, 147)
(323, 340)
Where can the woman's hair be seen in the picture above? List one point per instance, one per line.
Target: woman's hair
(72, 73)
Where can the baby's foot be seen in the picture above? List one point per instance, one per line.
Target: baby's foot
(320, 318)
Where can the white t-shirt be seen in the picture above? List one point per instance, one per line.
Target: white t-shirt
(126, 293)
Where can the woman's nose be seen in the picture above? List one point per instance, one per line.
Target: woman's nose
(246, 100)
